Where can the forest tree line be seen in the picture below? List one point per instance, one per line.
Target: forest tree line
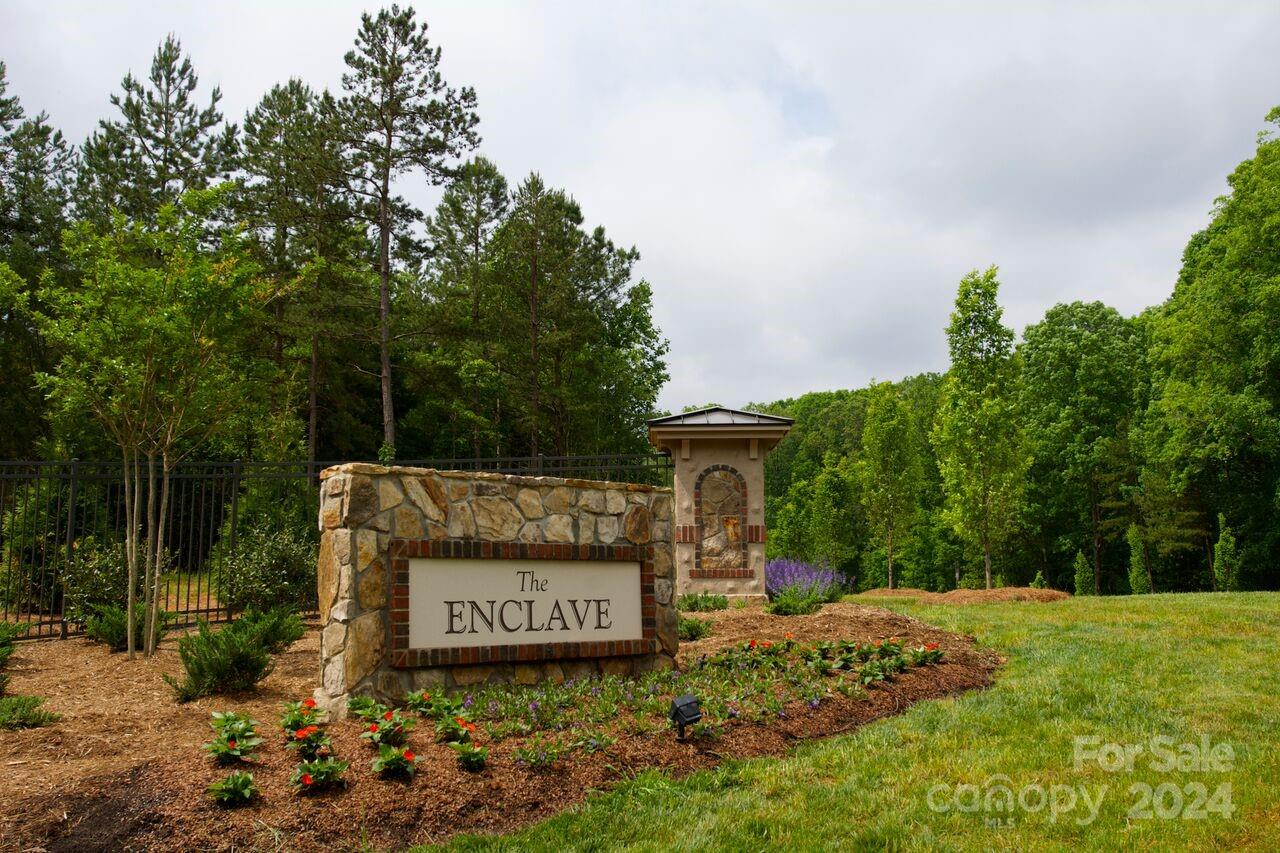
(179, 283)
(1097, 454)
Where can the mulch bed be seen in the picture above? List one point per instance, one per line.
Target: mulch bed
(972, 596)
(123, 769)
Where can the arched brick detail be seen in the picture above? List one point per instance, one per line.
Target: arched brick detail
(734, 529)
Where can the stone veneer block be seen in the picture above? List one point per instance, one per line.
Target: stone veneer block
(374, 518)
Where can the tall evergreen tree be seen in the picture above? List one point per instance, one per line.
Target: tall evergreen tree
(977, 434)
(398, 115)
(162, 144)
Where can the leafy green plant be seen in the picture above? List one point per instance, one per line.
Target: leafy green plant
(395, 761)
(692, 629)
(702, 602)
(539, 753)
(298, 715)
(365, 708)
(923, 655)
(1038, 582)
(310, 742)
(24, 712)
(235, 789)
(317, 775)
(796, 600)
(109, 624)
(454, 729)
(1083, 575)
(471, 758)
(235, 737)
(391, 728)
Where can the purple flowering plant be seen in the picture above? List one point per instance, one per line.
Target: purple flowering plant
(804, 578)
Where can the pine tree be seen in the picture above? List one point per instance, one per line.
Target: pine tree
(1226, 558)
(398, 115)
(162, 145)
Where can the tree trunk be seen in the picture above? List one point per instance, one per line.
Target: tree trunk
(313, 403)
(986, 562)
(889, 550)
(1096, 515)
(384, 312)
(534, 388)
(131, 545)
(151, 552)
(1146, 564)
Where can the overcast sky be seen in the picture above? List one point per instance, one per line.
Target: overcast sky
(806, 183)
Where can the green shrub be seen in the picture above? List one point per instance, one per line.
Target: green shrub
(24, 712)
(1038, 581)
(796, 600)
(236, 657)
(98, 576)
(694, 629)
(8, 634)
(1083, 575)
(276, 629)
(109, 624)
(702, 602)
(271, 567)
(219, 662)
(1226, 558)
(1139, 580)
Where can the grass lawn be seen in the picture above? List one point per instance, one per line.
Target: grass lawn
(1122, 669)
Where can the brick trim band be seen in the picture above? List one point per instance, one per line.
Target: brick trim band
(403, 550)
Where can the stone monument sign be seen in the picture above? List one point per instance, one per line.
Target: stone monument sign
(719, 496)
(444, 579)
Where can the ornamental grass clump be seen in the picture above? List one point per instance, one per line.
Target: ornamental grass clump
(691, 629)
(702, 602)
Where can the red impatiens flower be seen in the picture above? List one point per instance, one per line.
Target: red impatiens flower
(893, 640)
(309, 703)
(930, 647)
(790, 636)
(373, 727)
(306, 712)
(387, 716)
(306, 779)
(767, 644)
(408, 755)
(231, 744)
(752, 644)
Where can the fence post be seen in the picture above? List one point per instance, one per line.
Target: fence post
(540, 458)
(70, 544)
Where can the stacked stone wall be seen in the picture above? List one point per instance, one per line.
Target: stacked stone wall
(373, 516)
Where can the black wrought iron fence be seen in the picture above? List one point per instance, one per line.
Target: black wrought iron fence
(62, 528)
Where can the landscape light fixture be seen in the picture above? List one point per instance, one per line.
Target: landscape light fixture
(685, 712)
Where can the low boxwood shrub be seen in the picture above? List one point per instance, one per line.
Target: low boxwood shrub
(693, 629)
(702, 602)
(24, 712)
(236, 657)
(109, 624)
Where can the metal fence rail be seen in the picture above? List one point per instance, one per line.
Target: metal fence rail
(62, 526)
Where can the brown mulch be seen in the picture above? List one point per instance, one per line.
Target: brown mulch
(123, 770)
(971, 596)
